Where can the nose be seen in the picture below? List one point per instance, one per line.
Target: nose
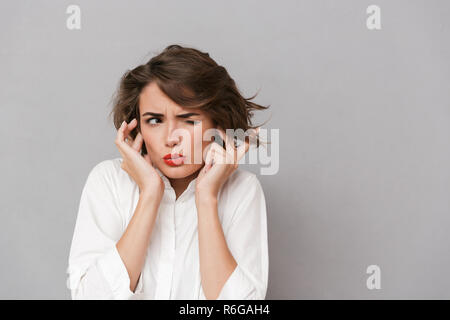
(173, 137)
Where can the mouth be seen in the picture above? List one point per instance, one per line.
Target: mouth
(174, 159)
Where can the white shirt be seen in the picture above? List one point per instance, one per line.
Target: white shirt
(172, 267)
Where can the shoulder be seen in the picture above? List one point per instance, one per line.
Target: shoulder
(102, 198)
(109, 168)
(109, 173)
(241, 197)
(240, 184)
(241, 177)
(108, 165)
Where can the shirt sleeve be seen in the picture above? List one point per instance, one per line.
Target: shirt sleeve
(247, 240)
(96, 270)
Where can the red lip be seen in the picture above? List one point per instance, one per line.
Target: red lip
(172, 156)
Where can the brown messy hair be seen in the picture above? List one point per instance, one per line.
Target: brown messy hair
(190, 78)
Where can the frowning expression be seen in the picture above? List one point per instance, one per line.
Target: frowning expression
(168, 128)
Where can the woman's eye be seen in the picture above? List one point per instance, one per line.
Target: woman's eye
(149, 120)
(154, 121)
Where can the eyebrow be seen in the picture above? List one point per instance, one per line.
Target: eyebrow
(184, 115)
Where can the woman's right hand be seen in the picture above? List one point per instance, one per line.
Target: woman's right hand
(139, 167)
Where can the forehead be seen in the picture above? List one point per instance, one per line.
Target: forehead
(153, 99)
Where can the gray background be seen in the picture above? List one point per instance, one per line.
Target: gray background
(364, 119)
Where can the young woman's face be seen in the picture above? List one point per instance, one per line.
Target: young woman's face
(168, 128)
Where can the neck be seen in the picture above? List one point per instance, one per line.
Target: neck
(179, 185)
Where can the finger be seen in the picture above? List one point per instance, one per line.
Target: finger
(242, 150)
(121, 144)
(120, 132)
(137, 143)
(123, 133)
(229, 142)
(120, 138)
(205, 151)
(220, 154)
(129, 127)
(123, 148)
(209, 159)
(244, 147)
(231, 154)
(129, 141)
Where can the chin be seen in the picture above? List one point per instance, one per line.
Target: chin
(178, 172)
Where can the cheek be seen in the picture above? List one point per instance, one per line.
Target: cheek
(150, 140)
(190, 140)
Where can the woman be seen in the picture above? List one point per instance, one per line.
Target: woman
(174, 217)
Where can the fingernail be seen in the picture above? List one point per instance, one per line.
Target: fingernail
(122, 124)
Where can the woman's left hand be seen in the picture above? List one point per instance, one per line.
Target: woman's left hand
(220, 163)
